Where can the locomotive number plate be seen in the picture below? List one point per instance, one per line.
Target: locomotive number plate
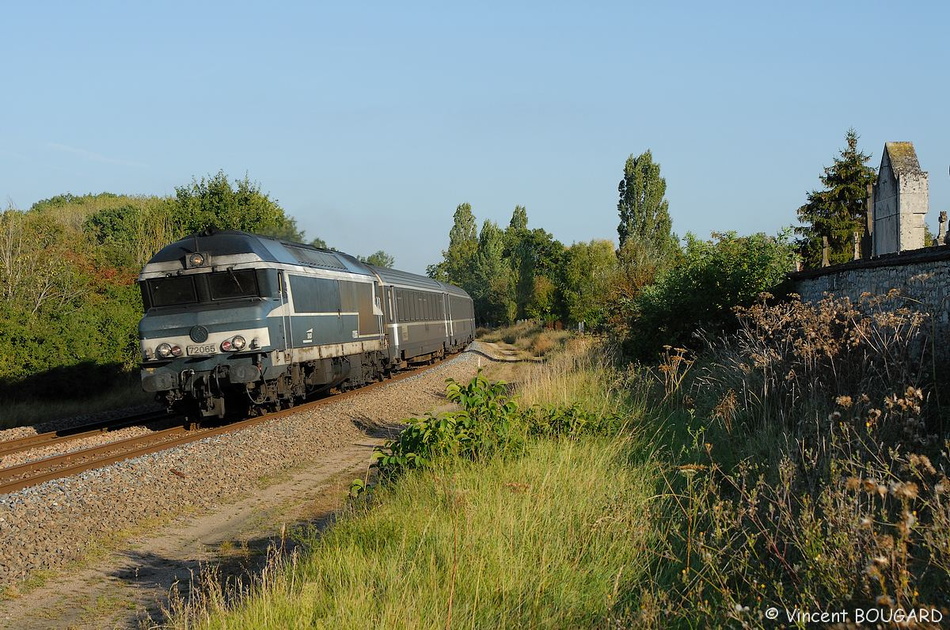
(205, 348)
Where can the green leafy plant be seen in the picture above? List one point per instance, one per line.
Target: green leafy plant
(486, 423)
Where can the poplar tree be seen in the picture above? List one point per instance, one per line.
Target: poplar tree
(494, 283)
(643, 208)
(519, 219)
(839, 209)
(458, 261)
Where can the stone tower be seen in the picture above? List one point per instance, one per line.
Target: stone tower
(899, 201)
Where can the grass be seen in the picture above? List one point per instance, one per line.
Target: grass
(545, 536)
(808, 470)
(37, 579)
(541, 541)
(529, 337)
(798, 464)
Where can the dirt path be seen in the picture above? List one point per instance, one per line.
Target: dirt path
(127, 587)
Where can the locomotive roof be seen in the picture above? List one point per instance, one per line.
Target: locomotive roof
(235, 247)
(232, 247)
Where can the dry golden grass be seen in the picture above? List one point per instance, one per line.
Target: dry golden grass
(529, 338)
(812, 472)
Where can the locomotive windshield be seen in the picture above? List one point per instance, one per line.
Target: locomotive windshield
(201, 288)
(173, 291)
(226, 285)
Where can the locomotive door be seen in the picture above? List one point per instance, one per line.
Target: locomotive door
(283, 288)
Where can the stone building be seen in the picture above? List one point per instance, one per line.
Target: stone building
(898, 201)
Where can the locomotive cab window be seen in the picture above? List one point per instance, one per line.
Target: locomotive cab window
(172, 291)
(229, 285)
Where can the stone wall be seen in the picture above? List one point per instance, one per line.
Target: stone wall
(922, 276)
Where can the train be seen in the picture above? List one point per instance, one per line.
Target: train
(238, 323)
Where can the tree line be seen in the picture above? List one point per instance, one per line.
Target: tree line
(518, 272)
(652, 290)
(68, 265)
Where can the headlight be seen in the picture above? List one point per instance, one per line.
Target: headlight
(164, 350)
(176, 351)
(234, 344)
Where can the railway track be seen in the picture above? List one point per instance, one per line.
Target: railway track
(63, 436)
(35, 472)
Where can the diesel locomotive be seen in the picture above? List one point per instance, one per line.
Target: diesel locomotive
(236, 322)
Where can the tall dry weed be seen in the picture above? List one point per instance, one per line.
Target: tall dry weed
(788, 360)
(816, 476)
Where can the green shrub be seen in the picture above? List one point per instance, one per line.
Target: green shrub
(571, 421)
(703, 288)
(489, 423)
(486, 422)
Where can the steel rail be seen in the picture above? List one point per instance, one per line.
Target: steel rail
(9, 447)
(60, 466)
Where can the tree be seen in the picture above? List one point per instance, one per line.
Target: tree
(837, 211)
(459, 259)
(130, 234)
(702, 290)
(493, 290)
(214, 202)
(519, 219)
(378, 259)
(535, 258)
(590, 270)
(643, 208)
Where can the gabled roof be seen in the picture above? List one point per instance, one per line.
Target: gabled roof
(903, 157)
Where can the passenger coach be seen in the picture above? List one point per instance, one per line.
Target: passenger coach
(235, 322)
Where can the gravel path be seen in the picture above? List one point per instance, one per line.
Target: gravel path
(60, 522)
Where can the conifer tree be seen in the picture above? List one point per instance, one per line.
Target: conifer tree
(837, 211)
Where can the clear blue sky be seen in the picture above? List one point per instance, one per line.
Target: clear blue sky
(370, 122)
